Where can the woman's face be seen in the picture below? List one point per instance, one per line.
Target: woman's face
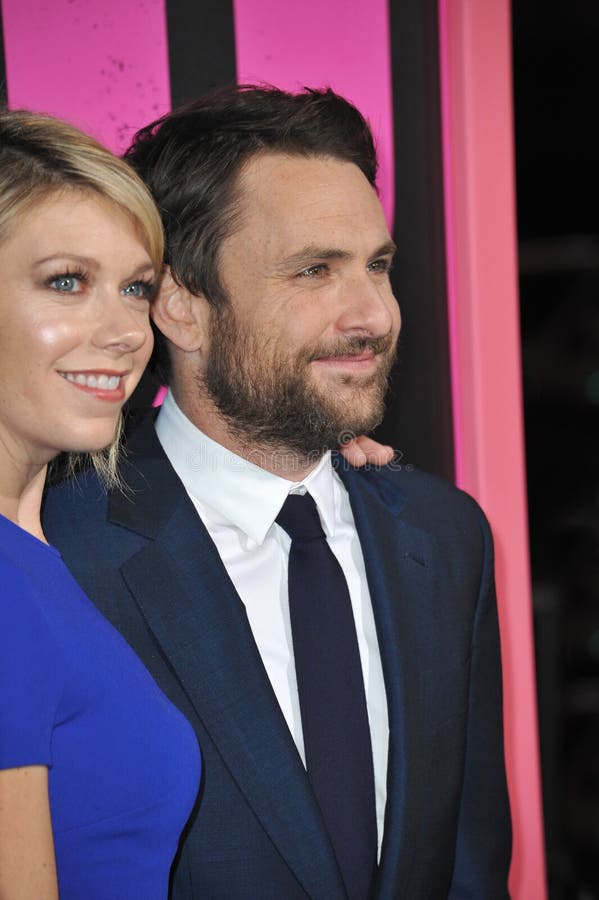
(75, 337)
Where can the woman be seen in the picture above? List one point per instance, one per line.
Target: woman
(98, 770)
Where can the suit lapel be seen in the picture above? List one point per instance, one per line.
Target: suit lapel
(400, 573)
(196, 616)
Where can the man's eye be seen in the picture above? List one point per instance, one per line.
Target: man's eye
(380, 265)
(313, 271)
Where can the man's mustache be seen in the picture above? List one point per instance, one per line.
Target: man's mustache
(353, 346)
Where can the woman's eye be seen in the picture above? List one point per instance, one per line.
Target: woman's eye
(143, 289)
(66, 284)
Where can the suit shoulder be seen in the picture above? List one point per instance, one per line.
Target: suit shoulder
(84, 492)
(85, 495)
(414, 482)
(427, 500)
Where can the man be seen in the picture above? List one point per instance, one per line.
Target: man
(381, 776)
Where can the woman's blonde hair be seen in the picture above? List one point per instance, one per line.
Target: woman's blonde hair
(41, 155)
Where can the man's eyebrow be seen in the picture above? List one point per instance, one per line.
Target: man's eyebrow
(312, 252)
(389, 248)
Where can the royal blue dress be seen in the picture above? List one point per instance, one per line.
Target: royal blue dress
(123, 762)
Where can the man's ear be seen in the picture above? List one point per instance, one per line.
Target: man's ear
(180, 315)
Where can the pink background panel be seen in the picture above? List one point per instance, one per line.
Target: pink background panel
(475, 40)
(101, 65)
(343, 44)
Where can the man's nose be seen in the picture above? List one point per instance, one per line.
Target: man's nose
(368, 307)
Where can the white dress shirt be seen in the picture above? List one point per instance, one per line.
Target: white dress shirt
(238, 503)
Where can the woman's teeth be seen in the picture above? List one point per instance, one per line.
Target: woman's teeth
(105, 382)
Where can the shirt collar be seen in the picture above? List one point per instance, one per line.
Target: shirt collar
(238, 492)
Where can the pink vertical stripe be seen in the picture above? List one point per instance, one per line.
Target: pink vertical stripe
(343, 44)
(475, 41)
(101, 65)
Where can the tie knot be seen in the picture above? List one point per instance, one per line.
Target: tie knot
(299, 518)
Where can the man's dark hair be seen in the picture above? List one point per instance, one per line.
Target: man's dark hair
(191, 160)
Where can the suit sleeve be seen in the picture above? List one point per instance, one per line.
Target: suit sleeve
(483, 845)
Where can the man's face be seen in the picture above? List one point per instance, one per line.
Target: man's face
(300, 357)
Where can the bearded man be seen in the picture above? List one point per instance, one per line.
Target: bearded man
(331, 633)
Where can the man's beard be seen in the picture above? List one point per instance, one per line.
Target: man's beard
(268, 399)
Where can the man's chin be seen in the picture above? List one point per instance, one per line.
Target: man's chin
(357, 410)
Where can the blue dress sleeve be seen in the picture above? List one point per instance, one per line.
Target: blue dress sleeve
(31, 673)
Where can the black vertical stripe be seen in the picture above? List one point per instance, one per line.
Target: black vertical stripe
(201, 47)
(419, 419)
(3, 100)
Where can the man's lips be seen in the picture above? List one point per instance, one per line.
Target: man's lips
(365, 360)
(101, 383)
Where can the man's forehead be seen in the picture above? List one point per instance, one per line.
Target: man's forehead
(280, 193)
(270, 174)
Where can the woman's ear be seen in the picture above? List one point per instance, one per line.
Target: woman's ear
(181, 316)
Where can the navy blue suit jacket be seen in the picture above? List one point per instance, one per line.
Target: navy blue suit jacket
(146, 560)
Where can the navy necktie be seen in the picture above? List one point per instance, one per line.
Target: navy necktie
(331, 694)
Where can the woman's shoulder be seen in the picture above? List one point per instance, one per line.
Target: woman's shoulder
(31, 670)
(23, 613)
(26, 565)
(22, 553)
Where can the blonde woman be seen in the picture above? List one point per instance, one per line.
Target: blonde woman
(98, 771)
